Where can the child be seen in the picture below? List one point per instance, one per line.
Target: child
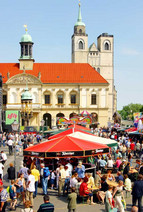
(72, 200)
(53, 176)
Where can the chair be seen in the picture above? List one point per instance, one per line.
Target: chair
(84, 199)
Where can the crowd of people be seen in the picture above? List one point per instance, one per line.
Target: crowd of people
(116, 178)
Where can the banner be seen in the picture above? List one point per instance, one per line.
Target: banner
(11, 115)
(75, 120)
(137, 116)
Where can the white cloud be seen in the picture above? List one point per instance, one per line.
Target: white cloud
(132, 52)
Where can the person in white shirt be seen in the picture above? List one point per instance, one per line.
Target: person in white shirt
(4, 157)
(110, 163)
(108, 200)
(70, 168)
(73, 180)
(10, 146)
(30, 187)
(1, 170)
(127, 186)
(52, 180)
(57, 176)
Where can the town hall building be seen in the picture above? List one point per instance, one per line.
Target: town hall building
(63, 89)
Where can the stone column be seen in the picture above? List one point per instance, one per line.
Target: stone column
(99, 98)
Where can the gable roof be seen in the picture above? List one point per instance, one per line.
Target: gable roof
(56, 72)
(93, 47)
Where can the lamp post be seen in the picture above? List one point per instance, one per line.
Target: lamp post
(26, 106)
(42, 124)
(15, 127)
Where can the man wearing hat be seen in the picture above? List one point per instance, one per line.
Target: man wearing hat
(3, 197)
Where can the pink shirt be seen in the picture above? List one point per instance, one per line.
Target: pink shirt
(118, 163)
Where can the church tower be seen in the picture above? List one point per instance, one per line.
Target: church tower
(100, 57)
(79, 41)
(26, 57)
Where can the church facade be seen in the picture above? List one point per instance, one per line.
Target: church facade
(100, 56)
(61, 89)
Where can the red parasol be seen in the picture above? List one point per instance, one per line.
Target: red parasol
(66, 146)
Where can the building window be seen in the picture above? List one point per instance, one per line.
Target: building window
(98, 70)
(4, 99)
(60, 99)
(30, 51)
(47, 99)
(106, 46)
(73, 98)
(26, 50)
(93, 99)
(80, 31)
(80, 45)
(21, 50)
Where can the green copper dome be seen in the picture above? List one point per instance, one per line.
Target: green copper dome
(26, 38)
(26, 95)
(79, 20)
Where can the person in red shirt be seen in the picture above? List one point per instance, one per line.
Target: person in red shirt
(132, 146)
(84, 191)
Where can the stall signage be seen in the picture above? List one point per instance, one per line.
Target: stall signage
(67, 153)
(35, 153)
(99, 150)
(11, 115)
(39, 154)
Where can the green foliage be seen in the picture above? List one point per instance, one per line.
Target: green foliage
(128, 110)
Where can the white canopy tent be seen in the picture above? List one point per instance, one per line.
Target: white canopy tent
(93, 138)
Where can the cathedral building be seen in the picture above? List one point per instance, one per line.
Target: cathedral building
(61, 89)
(100, 57)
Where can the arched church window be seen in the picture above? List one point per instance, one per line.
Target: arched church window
(80, 45)
(80, 31)
(106, 46)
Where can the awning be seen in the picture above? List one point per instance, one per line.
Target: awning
(66, 146)
(93, 138)
(67, 132)
(79, 127)
(132, 129)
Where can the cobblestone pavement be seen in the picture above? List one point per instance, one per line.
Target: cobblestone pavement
(60, 203)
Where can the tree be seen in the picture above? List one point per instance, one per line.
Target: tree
(128, 110)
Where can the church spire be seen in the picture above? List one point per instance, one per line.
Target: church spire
(79, 20)
(79, 14)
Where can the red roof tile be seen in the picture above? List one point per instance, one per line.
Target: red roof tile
(57, 72)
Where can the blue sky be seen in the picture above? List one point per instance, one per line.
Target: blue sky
(50, 24)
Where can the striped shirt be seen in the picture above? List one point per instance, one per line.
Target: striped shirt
(46, 207)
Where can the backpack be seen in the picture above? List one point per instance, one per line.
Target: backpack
(46, 172)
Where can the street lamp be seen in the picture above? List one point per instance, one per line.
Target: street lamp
(42, 124)
(26, 106)
(15, 127)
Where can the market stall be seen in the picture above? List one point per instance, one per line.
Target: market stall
(66, 146)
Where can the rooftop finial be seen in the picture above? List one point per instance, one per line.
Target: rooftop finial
(79, 19)
(79, 3)
(25, 26)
